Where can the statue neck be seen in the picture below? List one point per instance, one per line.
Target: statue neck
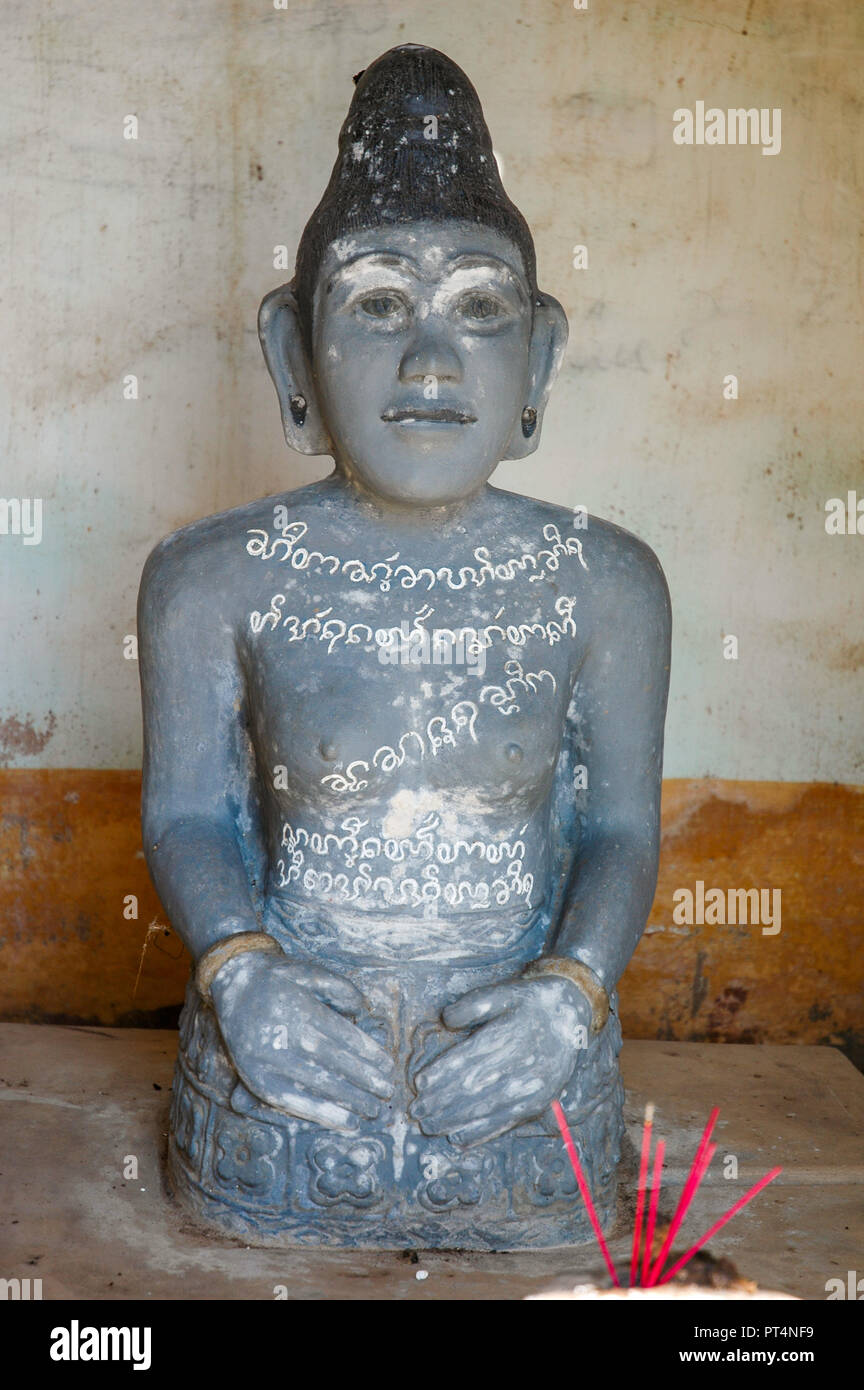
(405, 515)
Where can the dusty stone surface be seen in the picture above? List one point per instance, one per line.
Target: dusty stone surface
(78, 1101)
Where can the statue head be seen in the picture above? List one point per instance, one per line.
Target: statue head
(413, 343)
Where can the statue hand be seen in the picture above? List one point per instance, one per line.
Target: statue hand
(285, 1028)
(509, 1069)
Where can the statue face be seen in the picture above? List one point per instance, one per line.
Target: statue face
(421, 337)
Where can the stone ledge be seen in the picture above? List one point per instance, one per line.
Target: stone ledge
(78, 1100)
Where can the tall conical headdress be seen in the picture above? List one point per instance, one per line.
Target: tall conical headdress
(414, 146)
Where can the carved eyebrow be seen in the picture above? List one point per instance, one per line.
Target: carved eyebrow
(472, 258)
(481, 259)
(391, 260)
(388, 260)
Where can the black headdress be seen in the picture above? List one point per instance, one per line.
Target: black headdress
(414, 146)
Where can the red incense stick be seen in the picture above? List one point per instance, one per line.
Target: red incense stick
(694, 1178)
(652, 1209)
(757, 1187)
(692, 1187)
(583, 1188)
(640, 1191)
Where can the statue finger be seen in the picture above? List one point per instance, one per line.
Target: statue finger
(331, 989)
(459, 1116)
(453, 1067)
(276, 1091)
(332, 1086)
(486, 1091)
(478, 1006)
(455, 1108)
(490, 1127)
(436, 1114)
(340, 1032)
(367, 1075)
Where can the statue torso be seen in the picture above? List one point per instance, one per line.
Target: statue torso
(407, 703)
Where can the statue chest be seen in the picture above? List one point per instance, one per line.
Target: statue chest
(353, 694)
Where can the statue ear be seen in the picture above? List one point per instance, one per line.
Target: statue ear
(545, 354)
(281, 336)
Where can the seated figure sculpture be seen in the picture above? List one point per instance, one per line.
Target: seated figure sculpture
(403, 740)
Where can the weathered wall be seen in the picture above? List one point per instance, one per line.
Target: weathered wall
(150, 256)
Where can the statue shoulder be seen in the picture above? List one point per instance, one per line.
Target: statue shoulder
(213, 539)
(180, 557)
(529, 523)
(627, 568)
(617, 562)
(197, 569)
(537, 522)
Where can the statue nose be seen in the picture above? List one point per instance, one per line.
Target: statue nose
(432, 356)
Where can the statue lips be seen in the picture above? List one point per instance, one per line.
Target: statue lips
(427, 415)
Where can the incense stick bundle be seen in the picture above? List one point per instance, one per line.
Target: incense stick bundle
(652, 1275)
(697, 1172)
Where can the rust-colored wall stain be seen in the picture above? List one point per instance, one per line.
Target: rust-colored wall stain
(19, 738)
(732, 983)
(70, 853)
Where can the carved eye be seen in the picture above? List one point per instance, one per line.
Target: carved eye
(481, 307)
(382, 306)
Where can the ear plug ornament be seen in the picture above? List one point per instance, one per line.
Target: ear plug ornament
(529, 421)
(298, 410)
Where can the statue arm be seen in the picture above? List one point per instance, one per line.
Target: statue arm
(196, 780)
(618, 711)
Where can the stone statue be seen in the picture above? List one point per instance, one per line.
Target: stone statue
(403, 740)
